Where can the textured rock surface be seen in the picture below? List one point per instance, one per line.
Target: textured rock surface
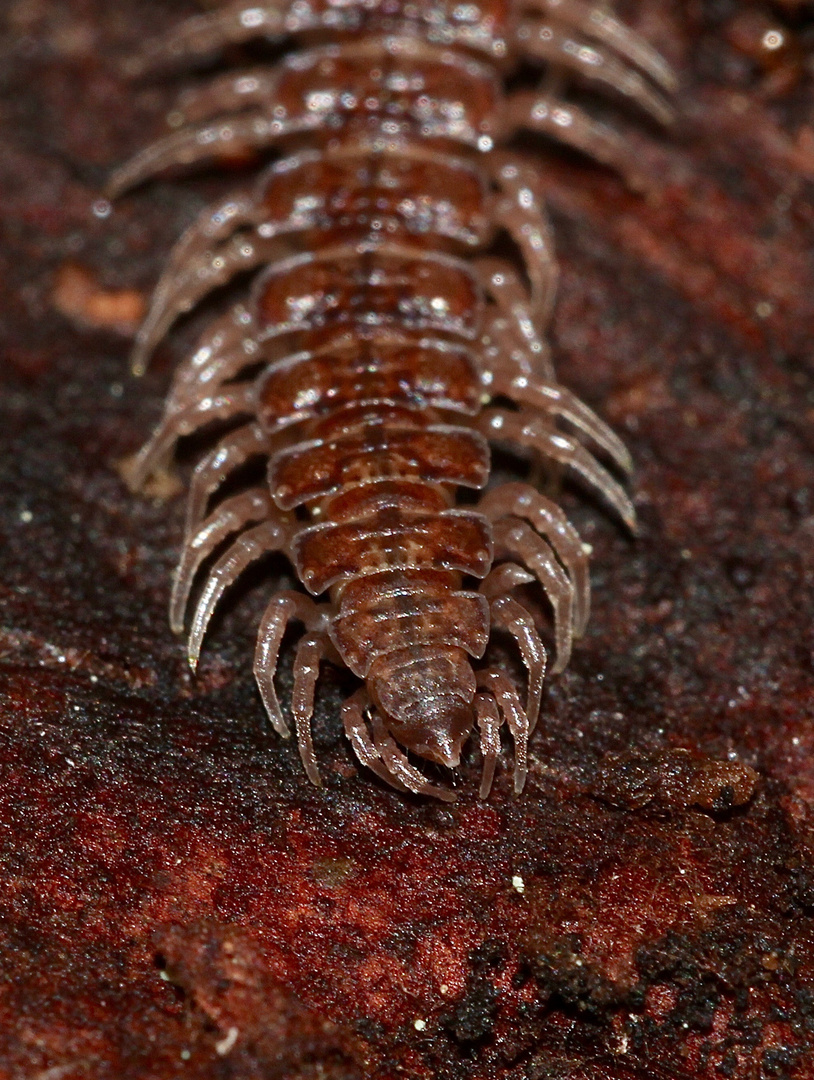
(176, 899)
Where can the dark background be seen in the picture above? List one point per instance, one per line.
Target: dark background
(176, 899)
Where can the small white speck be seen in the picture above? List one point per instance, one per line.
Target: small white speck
(163, 975)
(26, 517)
(764, 309)
(101, 208)
(443, 989)
(227, 1042)
(518, 884)
(419, 1025)
(94, 678)
(185, 1055)
(795, 741)
(116, 390)
(773, 39)
(68, 761)
(253, 17)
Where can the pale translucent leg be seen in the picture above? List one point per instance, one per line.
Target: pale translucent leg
(252, 131)
(225, 95)
(509, 370)
(523, 430)
(552, 44)
(521, 212)
(503, 578)
(229, 517)
(283, 607)
(311, 652)
(598, 23)
(205, 34)
(489, 722)
(572, 126)
(249, 546)
(210, 271)
(398, 765)
(502, 344)
(509, 615)
(212, 376)
(235, 450)
(523, 501)
(214, 224)
(353, 719)
(556, 400)
(502, 284)
(516, 540)
(500, 687)
(156, 452)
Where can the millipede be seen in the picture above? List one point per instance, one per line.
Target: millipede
(394, 328)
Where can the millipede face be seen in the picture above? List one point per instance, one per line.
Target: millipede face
(382, 347)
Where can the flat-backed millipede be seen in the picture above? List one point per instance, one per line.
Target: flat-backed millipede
(385, 343)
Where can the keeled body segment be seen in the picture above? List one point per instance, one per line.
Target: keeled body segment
(382, 348)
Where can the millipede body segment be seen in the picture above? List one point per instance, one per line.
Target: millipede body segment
(394, 328)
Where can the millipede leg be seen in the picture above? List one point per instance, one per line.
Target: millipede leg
(520, 500)
(230, 404)
(554, 399)
(546, 41)
(283, 607)
(503, 285)
(489, 721)
(529, 430)
(572, 126)
(597, 22)
(232, 135)
(208, 272)
(310, 653)
(226, 95)
(500, 687)
(516, 540)
(230, 517)
(204, 34)
(353, 719)
(239, 446)
(521, 212)
(231, 332)
(249, 546)
(401, 768)
(503, 578)
(509, 615)
(215, 223)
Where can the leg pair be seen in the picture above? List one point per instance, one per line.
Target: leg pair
(273, 533)
(516, 367)
(586, 41)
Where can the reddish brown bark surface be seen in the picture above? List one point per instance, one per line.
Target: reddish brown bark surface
(177, 900)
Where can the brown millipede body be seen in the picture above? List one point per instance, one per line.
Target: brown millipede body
(386, 342)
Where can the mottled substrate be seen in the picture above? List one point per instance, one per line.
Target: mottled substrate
(177, 899)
